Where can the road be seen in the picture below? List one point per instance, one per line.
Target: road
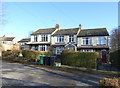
(15, 74)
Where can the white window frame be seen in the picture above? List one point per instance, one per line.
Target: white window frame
(44, 38)
(59, 50)
(87, 41)
(60, 39)
(71, 38)
(35, 38)
(87, 50)
(43, 48)
(101, 40)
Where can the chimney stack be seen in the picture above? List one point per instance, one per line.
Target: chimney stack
(80, 26)
(57, 26)
(4, 36)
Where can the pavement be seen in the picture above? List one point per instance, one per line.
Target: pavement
(15, 74)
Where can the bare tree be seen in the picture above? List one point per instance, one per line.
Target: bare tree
(115, 39)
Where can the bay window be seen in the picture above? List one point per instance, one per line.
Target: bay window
(35, 38)
(59, 50)
(71, 38)
(87, 41)
(60, 39)
(101, 40)
(44, 38)
(43, 48)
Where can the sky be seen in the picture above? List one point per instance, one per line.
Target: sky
(22, 18)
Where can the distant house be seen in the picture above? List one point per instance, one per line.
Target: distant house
(78, 39)
(23, 43)
(9, 43)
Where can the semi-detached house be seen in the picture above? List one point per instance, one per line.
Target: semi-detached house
(78, 39)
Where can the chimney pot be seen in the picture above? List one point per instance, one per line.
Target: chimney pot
(80, 26)
(57, 26)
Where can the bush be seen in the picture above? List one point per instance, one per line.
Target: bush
(81, 59)
(6, 53)
(30, 54)
(10, 53)
(115, 58)
(113, 82)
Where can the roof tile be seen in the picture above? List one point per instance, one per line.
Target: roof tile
(93, 32)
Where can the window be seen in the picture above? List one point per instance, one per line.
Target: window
(32, 47)
(44, 38)
(36, 47)
(59, 50)
(60, 39)
(35, 38)
(71, 38)
(101, 40)
(43, 48)
(87, 41)
(87, 50)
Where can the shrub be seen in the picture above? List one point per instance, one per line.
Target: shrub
(81, 59)
(115, 58)
(113, 82)
(30, 54)
(10, 53)
(6, 53)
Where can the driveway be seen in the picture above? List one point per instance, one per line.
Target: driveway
(15, 74)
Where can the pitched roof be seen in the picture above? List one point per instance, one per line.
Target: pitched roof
(24, 40)
(44, 31)
(8, 38)
(93, 32)
(71, 31)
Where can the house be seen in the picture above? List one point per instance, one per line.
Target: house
(8, 43)
(92, 40)
(65, 39)
(41, 39)
(78, 39)
(23, 43)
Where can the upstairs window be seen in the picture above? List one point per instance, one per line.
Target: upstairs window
(71, 38)
(35, 38)
(101, 40)
(60, 39)
(87, 41)
(44, 38)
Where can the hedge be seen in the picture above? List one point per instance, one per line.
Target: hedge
(80, 59)
(31, 54)
(115, 58)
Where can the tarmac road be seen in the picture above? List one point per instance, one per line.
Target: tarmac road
(15, 74)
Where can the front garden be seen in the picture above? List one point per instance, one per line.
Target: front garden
(70, 60)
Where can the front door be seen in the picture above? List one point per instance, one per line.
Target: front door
(104, 56)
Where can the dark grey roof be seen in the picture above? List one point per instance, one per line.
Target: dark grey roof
(93, 32)
(8, 38)
(24, 40)
(44, 31)
(71, 31)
